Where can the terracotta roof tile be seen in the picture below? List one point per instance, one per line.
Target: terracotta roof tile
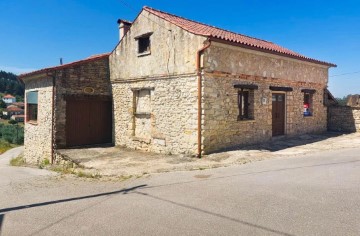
(14, 109)
(48, 69)
(217, 33)
(8, 96)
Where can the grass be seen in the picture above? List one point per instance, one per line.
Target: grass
(18, 161)
(4, 146)
(69, 169)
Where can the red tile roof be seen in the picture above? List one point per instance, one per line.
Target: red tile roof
(14, 109)
(217, 33)
(91, 58)
(8, 96)
(18, 104)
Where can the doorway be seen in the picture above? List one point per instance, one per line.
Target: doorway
(278, 114)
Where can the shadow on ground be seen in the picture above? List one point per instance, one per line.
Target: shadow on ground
(284, 142)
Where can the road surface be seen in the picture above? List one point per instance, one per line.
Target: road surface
(306, 195)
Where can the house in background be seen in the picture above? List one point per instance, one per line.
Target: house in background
(12, 110)
(18, 104)
(180, 86)
(18, 118)
(8, 99)
(67, 106)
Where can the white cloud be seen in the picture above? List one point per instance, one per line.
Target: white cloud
(16, 70)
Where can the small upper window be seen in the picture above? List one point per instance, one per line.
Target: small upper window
(144, 45)
(32, 106)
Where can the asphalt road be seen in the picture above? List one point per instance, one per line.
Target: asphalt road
(306, 195)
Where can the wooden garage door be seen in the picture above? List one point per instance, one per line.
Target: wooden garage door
(88, 122)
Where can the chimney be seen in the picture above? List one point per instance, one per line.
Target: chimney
(124, 26)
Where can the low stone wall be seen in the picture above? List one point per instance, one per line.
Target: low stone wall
(344, 119)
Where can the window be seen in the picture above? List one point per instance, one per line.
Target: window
(32, 106)
(246, 104)
(142, 113)
(308, 101)
(144, 44)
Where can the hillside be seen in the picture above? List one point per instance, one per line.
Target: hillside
(9, 84)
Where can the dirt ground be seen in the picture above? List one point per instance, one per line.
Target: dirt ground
(115, 161)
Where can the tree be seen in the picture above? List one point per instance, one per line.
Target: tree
(12, 122)
(342, 101)
(2, 104)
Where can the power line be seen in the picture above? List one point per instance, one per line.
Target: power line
(350, 73)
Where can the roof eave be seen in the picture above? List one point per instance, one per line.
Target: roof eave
(50, 69)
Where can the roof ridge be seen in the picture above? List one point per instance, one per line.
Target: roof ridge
(216, 27)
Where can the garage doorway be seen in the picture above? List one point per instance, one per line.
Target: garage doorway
(88, 122)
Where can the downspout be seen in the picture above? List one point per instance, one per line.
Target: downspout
(199, 75)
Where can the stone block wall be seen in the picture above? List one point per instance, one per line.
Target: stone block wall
(344, 119)
(226, 65)
(221, 128)
(37, 140)
(237, 60)
(74, 82)
(169, 123)
(172, 51)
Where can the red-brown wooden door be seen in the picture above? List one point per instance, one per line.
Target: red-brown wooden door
(278, 114)
(88, 122)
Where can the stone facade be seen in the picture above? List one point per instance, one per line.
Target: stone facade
(226, 65)
(37, 140)
(72, 82)
(169, 122)
(168, 72)
(163, 118)
(80, 80)
(344, 119)
(154, 79)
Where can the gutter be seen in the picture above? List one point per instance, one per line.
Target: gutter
(199, 75)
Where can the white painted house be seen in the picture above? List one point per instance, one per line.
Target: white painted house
(8, 99)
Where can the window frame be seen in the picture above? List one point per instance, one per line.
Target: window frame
(32, 109)
(308, 102)
(144, 44)
(244, 103)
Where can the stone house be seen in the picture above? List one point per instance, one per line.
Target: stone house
(175, 86)
(67, 106)
(180, 86)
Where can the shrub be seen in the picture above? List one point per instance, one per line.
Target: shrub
(18, 161)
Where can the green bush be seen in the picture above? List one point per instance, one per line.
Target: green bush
(4, 146)
(12, 133)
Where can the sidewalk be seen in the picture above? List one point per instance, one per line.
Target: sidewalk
(114, 161)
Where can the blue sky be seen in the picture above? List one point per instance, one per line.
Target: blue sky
(35, 33)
